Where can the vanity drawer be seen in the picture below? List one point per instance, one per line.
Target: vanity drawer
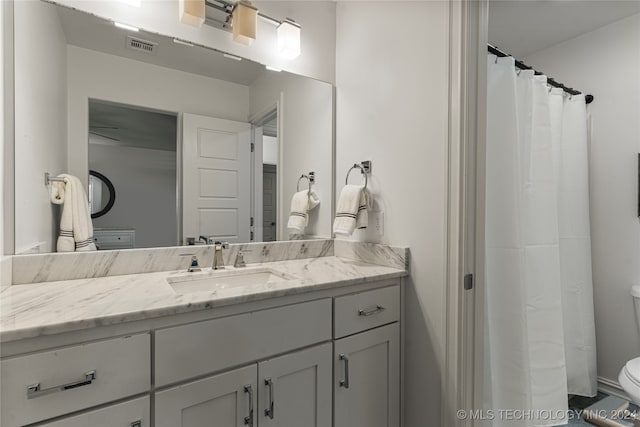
(366, 310)
(133, 413)
(121, 368)
(200, 348)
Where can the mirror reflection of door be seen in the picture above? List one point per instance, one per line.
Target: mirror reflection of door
(269, 179)
(216, 179)
(136, 149)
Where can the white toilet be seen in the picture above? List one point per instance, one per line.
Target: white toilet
(629, 377)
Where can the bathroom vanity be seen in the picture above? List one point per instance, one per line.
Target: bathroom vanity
(316, 342)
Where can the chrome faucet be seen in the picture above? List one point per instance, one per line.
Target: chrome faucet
(218, 263)
(240, 262)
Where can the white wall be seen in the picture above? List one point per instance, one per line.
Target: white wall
(316, 17)
(606, 64)
(392, 109)
(145, 185)
(40, 120)
(112, 78)
(306, 140)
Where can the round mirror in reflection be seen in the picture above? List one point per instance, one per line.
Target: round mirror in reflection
(102, 194)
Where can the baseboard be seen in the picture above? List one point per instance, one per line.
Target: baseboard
(612, 388)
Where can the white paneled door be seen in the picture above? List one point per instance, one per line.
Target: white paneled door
(216, 178)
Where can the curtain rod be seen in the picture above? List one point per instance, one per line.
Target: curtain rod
(494, 50)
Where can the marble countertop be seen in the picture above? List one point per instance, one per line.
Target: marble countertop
(47, 308)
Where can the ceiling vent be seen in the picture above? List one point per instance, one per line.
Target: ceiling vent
(141, 45)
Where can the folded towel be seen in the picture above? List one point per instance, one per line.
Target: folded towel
(351, 212)
(76, 228)
(301, 203)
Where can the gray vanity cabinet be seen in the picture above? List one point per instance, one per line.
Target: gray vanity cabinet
(225, 400)
(288, 391)
(367, 379)
(366, 359)
(295, 389)
(134, 413)
(332, 361)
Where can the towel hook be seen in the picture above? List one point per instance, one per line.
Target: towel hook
(310, 177)
(365, 169)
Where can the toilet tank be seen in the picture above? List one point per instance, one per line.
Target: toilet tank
(635, 292)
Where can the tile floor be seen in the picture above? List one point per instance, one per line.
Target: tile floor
(577, 403)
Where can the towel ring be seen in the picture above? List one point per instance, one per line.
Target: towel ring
(311, 178)
(362, 170)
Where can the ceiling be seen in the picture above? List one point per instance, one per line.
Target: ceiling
(118, 125)
(90, 32)
(522, 27)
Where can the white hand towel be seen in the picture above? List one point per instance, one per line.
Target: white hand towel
(351, 212)
(76, 228)
(301, 203)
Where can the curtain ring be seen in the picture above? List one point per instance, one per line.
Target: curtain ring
(519, 71)
(496, 61)
(550, 89)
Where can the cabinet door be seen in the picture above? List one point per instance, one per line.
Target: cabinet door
(225, 400)
(367, 379)
(295, 389)
(134, 413)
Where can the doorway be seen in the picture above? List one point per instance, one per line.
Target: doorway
(136, 149)
(267, 158)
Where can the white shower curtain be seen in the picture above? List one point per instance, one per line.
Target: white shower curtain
(540, 335)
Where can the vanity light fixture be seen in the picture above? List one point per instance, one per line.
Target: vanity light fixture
(270, 68)
(288, 33)
(241, 18)
(244, 21)
(126, 27)
(192, 12)
(235, 58)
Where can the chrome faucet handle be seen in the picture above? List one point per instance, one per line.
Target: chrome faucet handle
(240, 262)
(193, 264)
(222, 245)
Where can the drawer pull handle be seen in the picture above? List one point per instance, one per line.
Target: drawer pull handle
(34, 390)
(136, 423)
(248, 420)
(269, 412)
(345, 382)
(365, 313)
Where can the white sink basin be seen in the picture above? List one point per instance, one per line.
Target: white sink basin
(211, 281)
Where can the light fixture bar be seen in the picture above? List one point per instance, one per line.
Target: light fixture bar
(126, 27)
(268, 19)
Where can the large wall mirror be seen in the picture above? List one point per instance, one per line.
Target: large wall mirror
(198, 145)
